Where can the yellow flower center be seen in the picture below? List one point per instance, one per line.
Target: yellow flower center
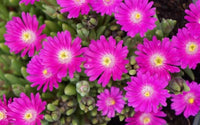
(192, 47)
(45, 72)
(146, 120)
(147, 91)
(2, 115)
(110, 101)
(147, 94)
(28, 116)
(28, 36)
(191, 100)
(64, 56)
(106, 61)
(137, 15)
(158, 61)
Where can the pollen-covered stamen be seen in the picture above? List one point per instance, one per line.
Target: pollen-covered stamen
(191, 48)
(108, 60)
(136, 17)
(2, 115)
(28, 36)
(191, 100)
(64, 56)
(110, 101)
(146, 120)
(147, 91)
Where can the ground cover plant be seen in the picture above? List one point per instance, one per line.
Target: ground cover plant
(99, 62)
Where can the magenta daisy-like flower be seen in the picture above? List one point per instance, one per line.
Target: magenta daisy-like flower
(24, 34)
(157, 57)
(4, 120)
(135, 16)
(41, 75)
(145, 92)
(105, 59)
(28, 1)
(187, 102)
(74, 7)
(61, 55)
(109, 101)
(105, 6)
(188, 48)
(193, 16)
(143, 118)
(26, 111)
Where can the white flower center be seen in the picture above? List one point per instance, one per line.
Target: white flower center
(189, 98)
(2, 115)
(79, 2)
(64, 56)
(145, 118)
(136, 17)
(46, 73)
(147, 91)
(108, 2)
(30, 115)
(110, 101)
(28, 36)
(108, 60)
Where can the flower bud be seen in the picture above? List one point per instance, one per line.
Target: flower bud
(83, 87)
(70, 89)
(177, 85)
(51, 107)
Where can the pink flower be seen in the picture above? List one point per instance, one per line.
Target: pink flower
(193, 16)
(157, 57)
(143, 118)
(135, 16)
(74, 7)
(105, 6)
(4, 120)
(26, 111)
(41, 75)
(188, 48)
(24, 34)
(187, 102)
(109, 101)
(105, 59)
(61, 55)
(28, 1)
(146, 93)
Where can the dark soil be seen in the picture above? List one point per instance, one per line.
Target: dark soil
(171, 9)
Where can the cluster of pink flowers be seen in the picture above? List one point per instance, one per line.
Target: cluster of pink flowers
(22, 110)
(61, 55)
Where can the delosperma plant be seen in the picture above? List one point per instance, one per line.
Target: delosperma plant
(84, 62)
